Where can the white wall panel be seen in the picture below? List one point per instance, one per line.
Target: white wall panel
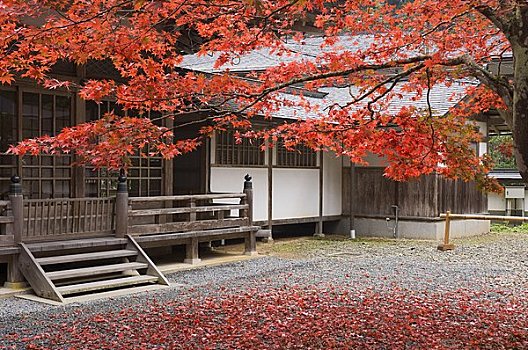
(295, 193)
(332, 187)
(496, 202)
(227, 179)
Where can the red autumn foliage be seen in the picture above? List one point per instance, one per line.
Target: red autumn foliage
(415, 45)
(304, 318)
(506, 148)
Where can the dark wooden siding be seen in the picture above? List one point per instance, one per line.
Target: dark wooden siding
(425, 197)
(375, 193)
(418, 197)
(461, 197)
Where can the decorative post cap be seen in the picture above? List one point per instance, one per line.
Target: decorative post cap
(122, 182)
(16, 186)
(248, 184)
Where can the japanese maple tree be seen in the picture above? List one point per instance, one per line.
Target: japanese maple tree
(413, 46)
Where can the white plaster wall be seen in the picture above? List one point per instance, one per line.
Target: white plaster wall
(375, 161)
(295, 193)
(227, 179)
(496, 202)
(332, 188)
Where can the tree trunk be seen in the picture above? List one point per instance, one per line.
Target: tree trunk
(520, 110)
(519, 42)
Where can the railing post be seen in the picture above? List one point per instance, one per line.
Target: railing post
(446, 245)
(17, 207)
(121, 206)
(251, 239)
(248, 190)
(15, 279)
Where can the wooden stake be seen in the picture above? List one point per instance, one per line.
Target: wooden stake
(446, 246)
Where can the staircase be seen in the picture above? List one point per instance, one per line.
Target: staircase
(63, 270)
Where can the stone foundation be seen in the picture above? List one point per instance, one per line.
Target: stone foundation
(433, 230)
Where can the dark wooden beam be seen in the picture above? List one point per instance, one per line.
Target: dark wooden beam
(319, 229)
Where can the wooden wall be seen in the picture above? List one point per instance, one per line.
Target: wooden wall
(425, 197)
(461, 197)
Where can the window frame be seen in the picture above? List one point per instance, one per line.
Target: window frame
(299, 156)
(251, 152)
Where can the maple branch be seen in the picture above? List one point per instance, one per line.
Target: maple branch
(394, 79)
(498, 84)
(491, 14)
(327, 75)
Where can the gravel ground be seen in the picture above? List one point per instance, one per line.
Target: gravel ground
(496, 262)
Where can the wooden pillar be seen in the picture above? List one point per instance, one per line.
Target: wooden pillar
(319, 228)
(121, 207)
(79, 116)
(250, 240)
(207, 176)
(20, 125)
(192, 252)
(270, 194)
(168, 168)
(15, 279)
(352, 203)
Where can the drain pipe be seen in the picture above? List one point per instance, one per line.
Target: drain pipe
(396, 234)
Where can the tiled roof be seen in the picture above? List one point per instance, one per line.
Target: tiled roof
(442, 97)
(264, 58)
(505, 175)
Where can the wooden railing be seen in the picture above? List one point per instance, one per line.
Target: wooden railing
(6, 224)
(155, 215)
(67, 217)
(448, 216)
(26, 220)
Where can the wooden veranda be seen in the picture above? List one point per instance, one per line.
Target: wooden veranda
(70, 246)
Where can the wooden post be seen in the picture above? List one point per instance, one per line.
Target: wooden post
(319, 226)
(446, 246)
(248, 190)
(271, 152)
(121, 207)
(15, 279)
(192, 214)
(250, 240)
(351, 199)
(192, 252)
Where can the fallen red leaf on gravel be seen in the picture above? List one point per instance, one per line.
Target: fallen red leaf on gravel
(306, 318)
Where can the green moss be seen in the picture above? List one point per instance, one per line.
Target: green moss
(504, 228)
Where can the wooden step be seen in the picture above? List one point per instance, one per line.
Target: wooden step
(94, 270)
(64, 259)
(75, 244)
(107, 284)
